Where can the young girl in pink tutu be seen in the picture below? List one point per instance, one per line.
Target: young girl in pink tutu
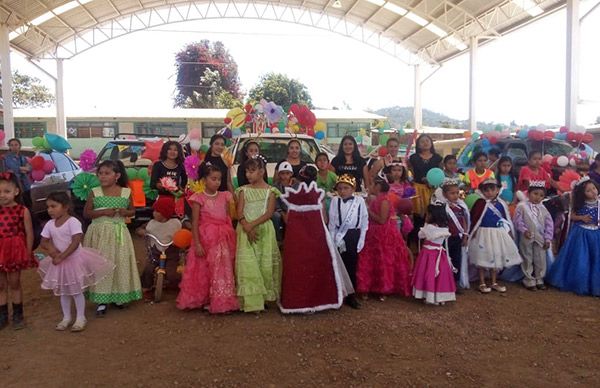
(208, 280)
(384, 263)
(70, 268)
(433, 279)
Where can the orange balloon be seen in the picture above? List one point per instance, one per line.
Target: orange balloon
(182, 239)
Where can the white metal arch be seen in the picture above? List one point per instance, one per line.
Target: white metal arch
(148, 18)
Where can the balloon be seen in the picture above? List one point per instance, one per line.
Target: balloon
(563, 129)
(38, 175)
(182, 238)
(401, 132)
(578, 137)
(587, 138)
(320, 135)
(2, 135)
(475, 136)
(37, 163)
(236, 117)
(548, 135)
(204, 148)
(383, 139)
(467, 134)
(382, 151)
(522, 134)
(281, 126)
(310, 132)
(152, 150)
(236, 132)
(547, 158)
(359, 139)
(471, 199)
(485, 143)
(435, 177)
(195, 133)
(57, 142)
(560, 136)
(48, 166)
(498, 128)
(320, 126)
(573, 162)
(37, 142)
(583, 154)
(562, 161)
(493, 140)
(132, 173)
(405, 206)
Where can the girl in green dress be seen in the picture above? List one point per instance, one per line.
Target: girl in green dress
(258, 262)
(108, 206)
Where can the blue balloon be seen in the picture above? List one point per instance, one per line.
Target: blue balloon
(319, 135)
(560, 136)
(485, 143)
(57, 143)
(435, 177)
(475, 136)
(522, 134)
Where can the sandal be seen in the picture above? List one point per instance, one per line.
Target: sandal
(101, 310)
(499, 288)
(484, 289)
(79, 325)
(63, 325)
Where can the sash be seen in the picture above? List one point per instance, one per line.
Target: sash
(345, 225)
(440, 249)
(455, 220)
(536, 222)
(506, 224)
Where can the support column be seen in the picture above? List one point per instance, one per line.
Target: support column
(572, 76)
(472, 73)
(7, 84)
(61, 121)
(417, 108)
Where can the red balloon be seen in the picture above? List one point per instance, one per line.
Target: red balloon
(38, 175)
(531, 134)
(587, 138)
(182, 238)
(405, 206)
(227, 120)
(564, 129)
(549, 135)
(382, 151)
(571, 136)
(578, 137)
(37, 163)
(248, 108)
(493, 140)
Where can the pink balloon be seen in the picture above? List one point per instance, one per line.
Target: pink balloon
(564, 129)
(38, 175)
(547, 158)
(48, 166)
(2, 135)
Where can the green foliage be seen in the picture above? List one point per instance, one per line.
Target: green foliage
(282, 90)
(29, 92)
(207, 76)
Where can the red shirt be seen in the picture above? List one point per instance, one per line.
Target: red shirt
(527, 175)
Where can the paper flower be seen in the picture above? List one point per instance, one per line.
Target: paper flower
(191, 164)
(168, 184)
(273, 112)
(87, 159)
(83, 184)
(196, 186)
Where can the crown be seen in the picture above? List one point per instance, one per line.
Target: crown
(537, 184)
(450, 182)
(347, 179)
(582, 180)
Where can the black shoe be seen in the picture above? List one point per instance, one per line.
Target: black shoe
(101, 310)
(3, 316)
(18, 322)
(121, 306)
(541, 287)
(352, 302)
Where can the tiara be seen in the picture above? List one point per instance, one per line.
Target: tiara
(261, 158)
(538, 184)
(347, 179)
(581, 181)
(450, 182)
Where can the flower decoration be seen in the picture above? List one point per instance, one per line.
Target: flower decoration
(235, 118)
(87, 159)
(196, 186)
(168, 184)
(303, 116)
(273, 112)
(191, 164)
(83, 184)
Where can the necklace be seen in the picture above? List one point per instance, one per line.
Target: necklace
(211, 195)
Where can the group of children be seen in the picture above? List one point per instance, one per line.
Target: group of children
(231, 269)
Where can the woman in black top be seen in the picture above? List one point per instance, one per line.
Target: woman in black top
(424, 159)
(294, 154)
(213, 156)
(349, 161)
(251, 149)
(170, 164)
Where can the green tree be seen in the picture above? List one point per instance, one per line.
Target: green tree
(29, 92)
(207, 76)
(282, 90)
(408, 125)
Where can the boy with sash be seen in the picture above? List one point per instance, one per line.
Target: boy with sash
(348, 224)
(536, 229)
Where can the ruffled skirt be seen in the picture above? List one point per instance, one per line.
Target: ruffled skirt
(14, 256)
(493, 248)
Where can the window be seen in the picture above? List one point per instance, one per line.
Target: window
(209, 129)
(83, 129)
(29, 130)
(157, 128)
(275, 149)
(343, 129)
(61, 162)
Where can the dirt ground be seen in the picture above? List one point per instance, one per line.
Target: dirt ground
(522, 338)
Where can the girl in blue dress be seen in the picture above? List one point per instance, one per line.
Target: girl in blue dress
(577, 268)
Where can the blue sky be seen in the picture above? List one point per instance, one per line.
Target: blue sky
(520, 77)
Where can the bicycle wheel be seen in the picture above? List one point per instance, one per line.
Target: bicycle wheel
(158, 287)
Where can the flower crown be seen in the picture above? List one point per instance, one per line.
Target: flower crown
(347, 179)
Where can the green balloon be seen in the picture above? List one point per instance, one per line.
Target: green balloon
(435, 177)
(131, 173)
(281, 126)
(142, 173)
(401, 132)
(383, 140)
(46, 145)
(471, 199)
(204, 148)
(37, 142)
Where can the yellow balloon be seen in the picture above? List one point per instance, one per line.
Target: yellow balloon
(320, 126)
(362, 132)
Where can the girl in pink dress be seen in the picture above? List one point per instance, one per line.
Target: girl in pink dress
(69, 269)
(384, 263)
(433, 279)
(208, 278)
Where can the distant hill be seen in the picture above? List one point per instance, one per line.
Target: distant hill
(399, 116)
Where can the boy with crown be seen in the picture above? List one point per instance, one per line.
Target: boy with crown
(348, 224)
(536, 228)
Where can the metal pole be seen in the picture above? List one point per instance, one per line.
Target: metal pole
(472, 64)
(572, 76)
(61, 122)
(7, 84)
(417, 108)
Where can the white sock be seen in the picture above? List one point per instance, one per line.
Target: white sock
(65, 304)
(80, 306)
